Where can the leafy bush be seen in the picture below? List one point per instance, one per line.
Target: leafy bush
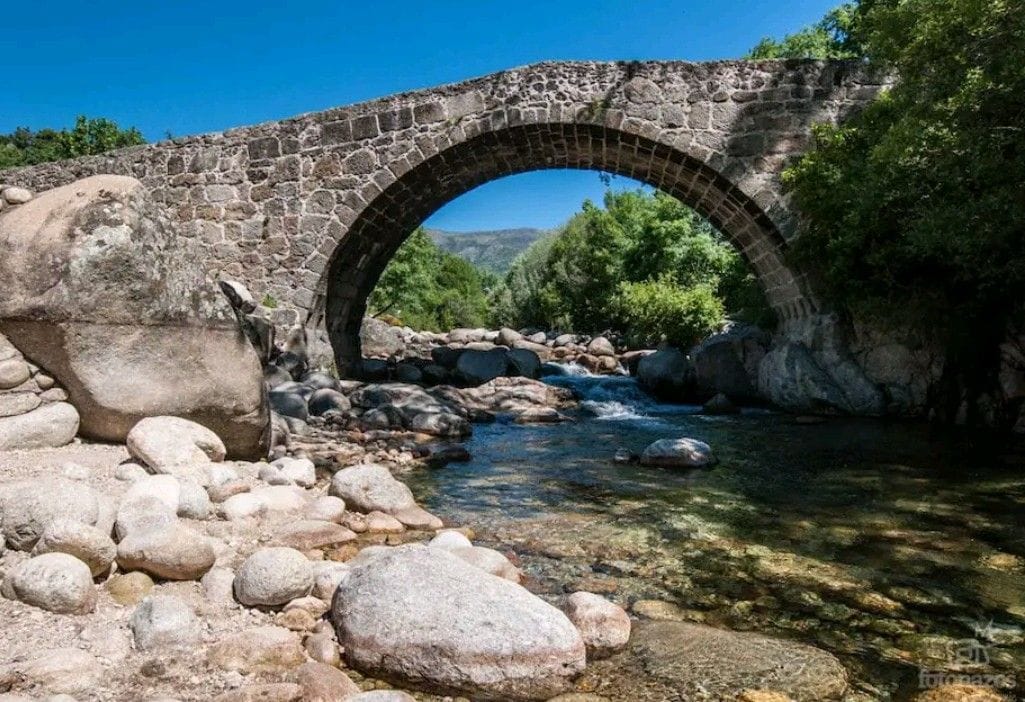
(660, 310)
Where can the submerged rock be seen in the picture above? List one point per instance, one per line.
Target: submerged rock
(425, 617)
(702, 662)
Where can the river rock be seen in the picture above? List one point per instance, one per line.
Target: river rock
(49, 426)
(423, 615)
(106, 295)
(85, 542)
(696, 661)
(445, 424)
(14, 195)
(488, 560)
(175, 446)
(324, 683)
(13, 372)
(289, 404)
(173, 552)
(327, 400)
(273, 576)
(667, 374)
(55, 582)
(326, 508)
(720, 404)
(478, 367)
(678, 453)
(265, 649)
(600, 346)
(368, 487)
(382, 696)
(163, 621)
(524, 362)
(143, 513)
(450, 540)
(29, 507)
(297, 471)
(62, 671)
(165, 488)
(378, 339)
(130, 588)
(307, 534)
(604, 626)
(381, 523)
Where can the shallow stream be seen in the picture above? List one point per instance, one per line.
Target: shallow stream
(899, 550)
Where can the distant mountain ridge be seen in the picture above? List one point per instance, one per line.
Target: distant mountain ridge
(492, 250)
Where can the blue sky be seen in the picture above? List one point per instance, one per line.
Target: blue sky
(187, 67)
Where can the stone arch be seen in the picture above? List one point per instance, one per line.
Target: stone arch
(357, 259)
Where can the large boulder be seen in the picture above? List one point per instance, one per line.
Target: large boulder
(667, 374)
(101, 292)
(478, 367)
(378, 339)
(423, 616)
(728, 362)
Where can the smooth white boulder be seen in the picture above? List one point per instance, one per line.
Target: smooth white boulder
(424, 615)
(604, 625)
(174, 445)
(273, 576)
(173, 552)
(86, 543)
(370, 486)
(55, 582)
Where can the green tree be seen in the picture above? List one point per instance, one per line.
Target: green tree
(833, 37)
(914, 212)
(23, 147)
(640, 248)
(429, 289)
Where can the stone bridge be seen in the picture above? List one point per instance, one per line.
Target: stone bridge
(310, 209)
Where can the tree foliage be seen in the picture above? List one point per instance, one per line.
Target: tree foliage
(833, 37)
(644, 266)
(24, 147)
(429, 289)
(915, 210)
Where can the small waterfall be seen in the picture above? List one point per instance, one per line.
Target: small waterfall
(612, 397)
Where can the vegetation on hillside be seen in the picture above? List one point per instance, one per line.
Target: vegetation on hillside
(430, 289)
(644, 266)
(24, 147)
(491, 251)
(915, 210)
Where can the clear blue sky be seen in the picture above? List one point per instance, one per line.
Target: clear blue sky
(187, 67)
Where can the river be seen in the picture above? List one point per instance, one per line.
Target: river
(897, 549)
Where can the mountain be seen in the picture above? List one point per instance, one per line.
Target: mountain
(490, 250)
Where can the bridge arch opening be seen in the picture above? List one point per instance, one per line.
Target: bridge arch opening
(394, 211)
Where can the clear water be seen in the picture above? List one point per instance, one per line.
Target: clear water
(887, 544)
